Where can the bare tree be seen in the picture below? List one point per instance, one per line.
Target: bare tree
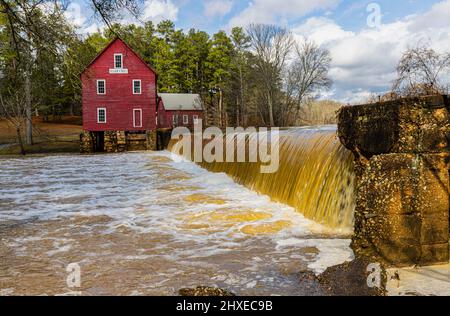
(14, 110)
(31, 32)
(307, 75)
(318, 112)
(272, 46)
(110, 10)
(420, 70)
(33, 25)
(22, 13)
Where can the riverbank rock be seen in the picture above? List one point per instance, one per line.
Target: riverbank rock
(205, 291)
(351, 279)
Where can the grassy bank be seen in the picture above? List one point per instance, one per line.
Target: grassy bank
(60, 135)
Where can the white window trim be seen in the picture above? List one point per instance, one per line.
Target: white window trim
(140, 86)
(175, 116)
(98, 116)
(121, 58)
(104, 82)
(134, 117)
(195, 119)
(187, 119)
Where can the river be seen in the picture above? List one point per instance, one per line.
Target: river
(143, 224)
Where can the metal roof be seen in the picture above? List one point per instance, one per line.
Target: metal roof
(181, 101)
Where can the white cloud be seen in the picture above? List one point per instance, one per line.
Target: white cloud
(218, 8)
(437, 17)
(365, 61)
(321, 30)
(74, 15)
(159, 10)
(357, 96)
(72, 12)
(272, 11)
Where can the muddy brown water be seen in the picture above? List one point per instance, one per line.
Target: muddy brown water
(142, 224)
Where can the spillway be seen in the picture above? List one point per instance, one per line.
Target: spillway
(315, 174)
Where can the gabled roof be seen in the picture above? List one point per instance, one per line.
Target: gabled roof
(126, 45)
(181, 101)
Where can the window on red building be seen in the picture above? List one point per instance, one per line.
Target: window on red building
(118, 62)
(101, 86)
(136, 86)
(101, 115)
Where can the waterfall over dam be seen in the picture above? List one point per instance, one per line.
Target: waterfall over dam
(315, 175)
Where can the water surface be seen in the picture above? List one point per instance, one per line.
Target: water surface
(141, 224)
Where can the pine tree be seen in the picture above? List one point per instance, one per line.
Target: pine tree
(218, 64)
(239, 67)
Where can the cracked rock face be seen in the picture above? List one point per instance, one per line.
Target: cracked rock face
(402, 160)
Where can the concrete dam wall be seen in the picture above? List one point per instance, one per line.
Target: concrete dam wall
(392, 192)
(315, 174)
(402, 162)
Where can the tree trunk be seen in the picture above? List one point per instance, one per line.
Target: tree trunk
(242, 105)
(220, 107)
(28, 110)
(72, 108)
(19, 139)
(270, 110)
(238, 113)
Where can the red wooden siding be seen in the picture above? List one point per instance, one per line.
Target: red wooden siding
(165, 118)
(119, 100)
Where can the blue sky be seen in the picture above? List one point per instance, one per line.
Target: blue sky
(364, 52)
(349, 14)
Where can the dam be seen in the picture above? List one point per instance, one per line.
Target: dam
(315, 174)
(389, 161)
(402, 163)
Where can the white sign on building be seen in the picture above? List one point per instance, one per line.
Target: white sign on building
(118, 71)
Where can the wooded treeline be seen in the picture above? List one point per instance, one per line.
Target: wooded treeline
(253, 76)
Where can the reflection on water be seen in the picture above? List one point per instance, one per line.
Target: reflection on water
(141, 224)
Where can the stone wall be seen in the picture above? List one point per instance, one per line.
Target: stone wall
(152, 140)
(118, 141)
(136, 142)
(86, 143)
(402, 159)
(115, 142)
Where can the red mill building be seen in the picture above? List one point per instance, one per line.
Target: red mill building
(120, 102)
